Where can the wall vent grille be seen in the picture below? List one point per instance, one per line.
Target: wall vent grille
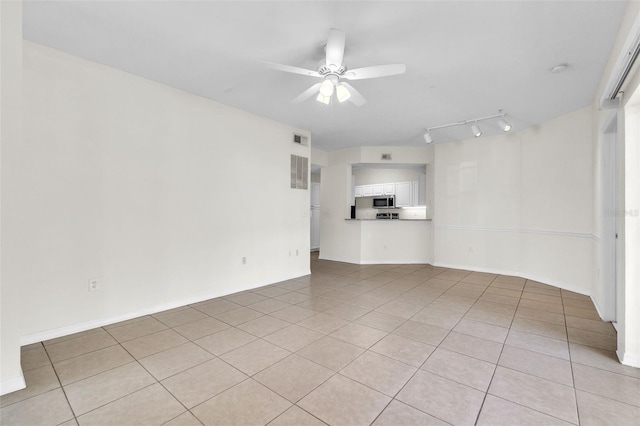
(299, 172)
(300, 139)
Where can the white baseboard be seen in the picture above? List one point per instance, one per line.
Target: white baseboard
(393, 262)
(544, 280)
(88, 325)
(12, 385)
(532, 277)
(628, 359)
(374, 262)
(335, 259)
(600, 310)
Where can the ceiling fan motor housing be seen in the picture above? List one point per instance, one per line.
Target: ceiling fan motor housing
(326, 70)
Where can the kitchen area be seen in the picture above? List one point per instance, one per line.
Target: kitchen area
(390, 208)
(377, 205)
(380, 192)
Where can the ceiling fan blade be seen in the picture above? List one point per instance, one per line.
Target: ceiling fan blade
(356, 98)
(335, 47)
(375, 71)
(307, 93)
(291, 69)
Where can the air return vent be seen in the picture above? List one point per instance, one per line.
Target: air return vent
(299, 172)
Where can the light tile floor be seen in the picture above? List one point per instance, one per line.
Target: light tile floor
(347, 345)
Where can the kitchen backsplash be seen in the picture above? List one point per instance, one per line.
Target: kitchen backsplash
(364, 210)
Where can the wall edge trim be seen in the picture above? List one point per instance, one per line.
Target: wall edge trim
(626, 358)
(13, 384)
(517, 230)
(88, 325)
(335, 259)
(393, 262)
(532, 277)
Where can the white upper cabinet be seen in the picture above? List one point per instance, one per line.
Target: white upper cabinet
(407, 193)
(404, 193)
(374, 190)
(389, 188)
(367, 191)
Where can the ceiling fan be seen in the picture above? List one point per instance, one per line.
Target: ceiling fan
(333, 71)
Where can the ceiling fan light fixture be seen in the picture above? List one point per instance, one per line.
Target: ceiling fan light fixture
(324, 99)
(326, 88)
(342, 93)
(504, 125)
(475, 129)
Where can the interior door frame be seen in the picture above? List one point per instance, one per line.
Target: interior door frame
(611, 208)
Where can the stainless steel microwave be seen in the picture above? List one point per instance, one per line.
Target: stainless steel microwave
(384, 202)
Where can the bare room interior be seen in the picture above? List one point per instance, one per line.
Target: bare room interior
(320, 213)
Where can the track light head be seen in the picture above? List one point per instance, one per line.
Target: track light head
(504, 125)
(427, 138)
(476, 131)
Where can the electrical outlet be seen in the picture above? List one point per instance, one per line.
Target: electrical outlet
(94, 284)
(244, 260)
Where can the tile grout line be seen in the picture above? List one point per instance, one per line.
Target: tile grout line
(425, 361)
(393, 398)
(530, 408)
(135, 360)
(500, 354)
(367, 349)
(573, 376)
(161, 384)
(64, 392)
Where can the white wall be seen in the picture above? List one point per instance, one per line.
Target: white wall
(320, 158)
(338, 240)
(156, 192)
(519, 203)
(370, 176)
(11, 377)
(393, 241)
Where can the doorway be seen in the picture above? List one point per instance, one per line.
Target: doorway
(315, 208)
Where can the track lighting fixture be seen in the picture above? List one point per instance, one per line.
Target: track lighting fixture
(475, 128)
(504, 125)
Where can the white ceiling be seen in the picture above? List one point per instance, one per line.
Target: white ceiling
(464, 59)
